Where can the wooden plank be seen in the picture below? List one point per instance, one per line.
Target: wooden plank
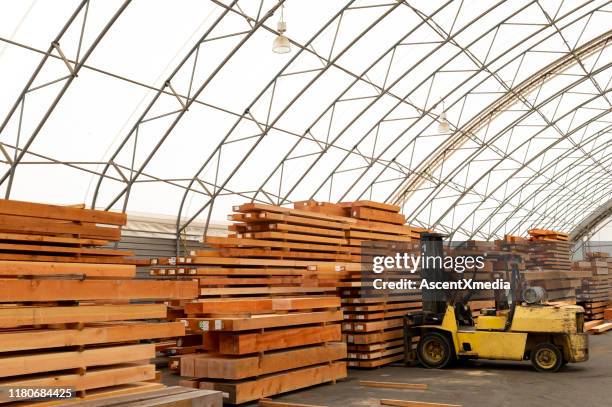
(17, 237)
(90, 379)
(373, 204)
(257, 207)
(12, 316)
(12, 224)
(378, 215)
(14, 290)
(174, 396)
(407, 403)
(39, 210)
(74, 259)
(394, 385)
(34, 268)
(231, 368)
(232, 344)
(242, 392)
(261, 321)
(47, 362)
(273, 403)
(256, 305)
(64, 249)
(262, 290)
(30, 339)
(99, 397)
(287, 236)
(246, 242)
(601, 328)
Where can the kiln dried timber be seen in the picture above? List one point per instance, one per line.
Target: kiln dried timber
(52, 239)
(219, 367)
(90, 379)
(258, 305)
(151, 395)
(11, 316)
(15, 290)
(34, 268)
(22, 208)
(27, 339)
(242, 392)
(9, 223)
(262, 321)
(44, 362)
(241, 344)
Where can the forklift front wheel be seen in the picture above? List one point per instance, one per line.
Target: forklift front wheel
(434, 350)
(546, 357)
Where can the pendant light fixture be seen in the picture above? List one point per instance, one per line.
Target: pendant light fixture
(443, 124)
(281, 44)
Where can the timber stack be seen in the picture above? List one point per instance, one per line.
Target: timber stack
(268, 317)
(594, 294)
(547, 256)
(373, 318)
(66, 313)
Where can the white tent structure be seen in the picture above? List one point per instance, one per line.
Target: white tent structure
(479, 118)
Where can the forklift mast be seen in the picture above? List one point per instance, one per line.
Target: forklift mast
(434, 301)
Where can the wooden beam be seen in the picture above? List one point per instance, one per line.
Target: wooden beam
(250, 390)
(38, 210)
(36, 268)
(63, 249)
(48, 362)
(12, 316)
(262, 321)
(12, 224)
(232, 368)
(30, 339)
(17, 237)
(232, 344)
(15, 290)
(256, 305)
(394, 385)
(90, 379)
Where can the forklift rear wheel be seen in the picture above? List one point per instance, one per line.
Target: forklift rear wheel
(546, 357)
(434, 350)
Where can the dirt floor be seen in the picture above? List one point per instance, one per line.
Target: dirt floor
(478, 384)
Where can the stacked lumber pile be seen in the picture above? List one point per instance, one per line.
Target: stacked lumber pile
(594, 294)
(268, 317)
(66, 312)
(547, 256)
(373, 319)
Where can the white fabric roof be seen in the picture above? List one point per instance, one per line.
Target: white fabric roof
(180, 108)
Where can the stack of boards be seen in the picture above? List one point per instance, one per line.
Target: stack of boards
(548, 262)
(268, 317)
(594, 295)
(66, 317)
(373, 319)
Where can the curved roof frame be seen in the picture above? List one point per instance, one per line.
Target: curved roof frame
(73, 68)
(183, 106)
(282, 200)
(507, 155)
(600, 189)
(483, 67)
(549, 182)
(272, 122)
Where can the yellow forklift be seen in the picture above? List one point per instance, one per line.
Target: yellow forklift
(522, 326)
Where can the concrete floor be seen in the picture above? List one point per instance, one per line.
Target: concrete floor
(478, 384)
(475, 384)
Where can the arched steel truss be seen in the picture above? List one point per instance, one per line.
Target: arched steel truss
(521, 152)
